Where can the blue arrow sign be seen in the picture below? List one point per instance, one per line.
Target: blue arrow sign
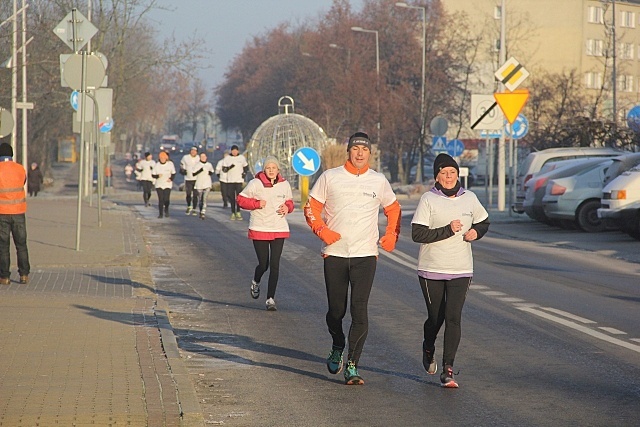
(439, 144)
(520, 127)
(305, 161)
(74, 100)
(633, 118)
(106, 126)
(455, 147)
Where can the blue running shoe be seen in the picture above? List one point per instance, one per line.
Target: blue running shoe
(334, 361)
(351, 376)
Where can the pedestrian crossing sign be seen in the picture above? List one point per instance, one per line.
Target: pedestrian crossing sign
(439, 144)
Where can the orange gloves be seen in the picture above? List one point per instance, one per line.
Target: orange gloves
(328, 236)
(393, 213)
(313, 215)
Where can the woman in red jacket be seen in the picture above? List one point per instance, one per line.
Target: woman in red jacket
(269, 198)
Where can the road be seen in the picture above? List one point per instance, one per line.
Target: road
(551, 331)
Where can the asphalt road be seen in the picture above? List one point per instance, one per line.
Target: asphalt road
(551, 329)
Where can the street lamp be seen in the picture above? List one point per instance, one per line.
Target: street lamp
(419, 174)
(362, 30)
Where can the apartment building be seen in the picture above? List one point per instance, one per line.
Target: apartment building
(563, 35)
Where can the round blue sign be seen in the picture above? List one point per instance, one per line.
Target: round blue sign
(74, 100)
(520, 127)
(455, 147)
(305, 161)
(106, 126)
(633, 118)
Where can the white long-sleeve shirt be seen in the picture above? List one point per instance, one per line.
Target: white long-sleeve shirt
(147, 167)
(203, 179)
(164, 170)
(187, 163)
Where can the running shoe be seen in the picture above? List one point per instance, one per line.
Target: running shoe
(351, 376)
(233, 217)
(238, 216)
(428, 359)
(255, 288)
(202, 216)
(334, 361)
(271, 305)
(188, 211)
(194, 212)
(446, 377)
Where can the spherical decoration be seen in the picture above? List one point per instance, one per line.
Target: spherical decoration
(281, 136)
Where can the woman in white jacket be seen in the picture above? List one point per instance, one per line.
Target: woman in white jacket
(269, 198)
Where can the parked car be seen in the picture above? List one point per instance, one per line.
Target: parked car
(621, 164)
(576, 198)
(536, 186)
(621, 202)
(536, 160)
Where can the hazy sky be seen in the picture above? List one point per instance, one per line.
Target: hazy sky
(227, 25)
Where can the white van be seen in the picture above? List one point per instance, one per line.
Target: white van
(621, 202)
(534, 162)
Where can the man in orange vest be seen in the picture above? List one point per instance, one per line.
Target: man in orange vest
(13, 206)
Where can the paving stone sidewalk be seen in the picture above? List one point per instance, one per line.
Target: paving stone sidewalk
(87, 341)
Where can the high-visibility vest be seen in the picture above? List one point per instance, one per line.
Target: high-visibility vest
(12, 195)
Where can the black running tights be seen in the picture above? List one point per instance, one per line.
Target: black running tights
(268, 261)
(444, 299)
(339, 274)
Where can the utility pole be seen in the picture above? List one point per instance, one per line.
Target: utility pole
(501, 142)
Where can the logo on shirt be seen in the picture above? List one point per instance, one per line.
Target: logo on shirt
(372, 194)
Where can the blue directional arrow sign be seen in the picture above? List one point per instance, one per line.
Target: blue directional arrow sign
(520, 127)
(439, 144)
(73, 99)
(106, 125)
(633, 118)
(305, 161)
(455, 147)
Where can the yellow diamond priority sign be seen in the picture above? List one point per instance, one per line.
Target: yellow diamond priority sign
(512, 74)
(511, 103)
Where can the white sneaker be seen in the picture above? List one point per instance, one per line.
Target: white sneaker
(255, 289)
(271, 305)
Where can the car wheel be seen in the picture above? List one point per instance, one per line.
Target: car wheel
(587, 217)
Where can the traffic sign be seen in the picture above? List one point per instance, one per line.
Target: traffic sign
(95, 72)
(84, 30)
(483, 107)
(520, 127)
(73, 99)
(491, 133)
(305, 161)
(455, 147)
(6, 122)
(633, 118)
(106, 125)
(512, 74)
(439, 144)
(511, 103)
(439, 126)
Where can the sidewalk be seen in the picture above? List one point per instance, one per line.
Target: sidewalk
(87, 341)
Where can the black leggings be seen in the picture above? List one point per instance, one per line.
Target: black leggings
(266, 262)
(147, 186)
(191, 194)
(339, 273)
(233, 189)
(164, 197)
(444, 299)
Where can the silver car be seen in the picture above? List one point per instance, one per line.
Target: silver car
(576, 198)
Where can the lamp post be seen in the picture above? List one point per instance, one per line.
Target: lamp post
(419, 174)
(362, 30)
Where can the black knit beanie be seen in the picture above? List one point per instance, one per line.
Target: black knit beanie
(442, 161)
(6, 150)
(359, 138)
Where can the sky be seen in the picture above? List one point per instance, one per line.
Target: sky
(228, 25)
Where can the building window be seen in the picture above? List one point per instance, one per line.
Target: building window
(496, 45)
(628, 19)
(595, 47)
(596, 15)
(497, 12)
(626, 50)
(625, 83)
(593, 80)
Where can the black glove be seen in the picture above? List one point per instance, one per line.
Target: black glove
(183, 171)
(218, 175)
(156, 176)
(210, 173)
(244, 174)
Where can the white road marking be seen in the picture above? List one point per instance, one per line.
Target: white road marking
(581, 328)
(613, 331)
(568, 315)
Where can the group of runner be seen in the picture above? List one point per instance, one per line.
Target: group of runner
(342, 210)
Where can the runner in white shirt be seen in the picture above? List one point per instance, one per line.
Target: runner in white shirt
(236, 167)
(343, 211)
(144, 168)
(447, 219)
(202, 172)
(222, 178)
(164, 173)
(268, 196)
(186, 165)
